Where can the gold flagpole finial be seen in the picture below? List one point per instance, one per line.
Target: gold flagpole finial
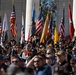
(5, 13)
(69, 2)
(22, 13)
(63, 4)
(0, 14)
(12, 2)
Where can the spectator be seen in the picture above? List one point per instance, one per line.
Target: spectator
(50, 61)
(56, 47)
(20, 73)
(73, 64)
(2, 63)
(62, 45)
(29, 71)
(51, 52)
(40, 67)
(74, 52)
(68, 54)
(60, 73)
(13, 69)
(2, 72)
(22, 64)
(61, 63)
(15, 60)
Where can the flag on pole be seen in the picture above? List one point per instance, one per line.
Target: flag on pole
(49, 34)
(39, 22)
(32, 29)
(13, 26)
(22, 30)
(45, 29)
(56, 35)
(71, 27)
(33, 14)
(4, 36)
(62, 26)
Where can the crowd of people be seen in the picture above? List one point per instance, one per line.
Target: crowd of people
(35, 58)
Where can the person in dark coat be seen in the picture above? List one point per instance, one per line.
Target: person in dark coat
(61, 63)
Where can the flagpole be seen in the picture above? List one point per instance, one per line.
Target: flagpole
(12, 2)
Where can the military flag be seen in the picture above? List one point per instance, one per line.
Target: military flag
(49, 34)
(4, 36)
(45, 29)
(56, 35)
(71, 27)
(32, 28)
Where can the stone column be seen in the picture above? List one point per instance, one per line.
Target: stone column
(28, 17)
(74, 15)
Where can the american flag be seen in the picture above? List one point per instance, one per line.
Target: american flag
(62, 32)
(13, 27)
(13, 15)
(39, 23)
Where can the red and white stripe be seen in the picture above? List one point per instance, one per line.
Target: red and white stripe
(62, 35)
(38, 26)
